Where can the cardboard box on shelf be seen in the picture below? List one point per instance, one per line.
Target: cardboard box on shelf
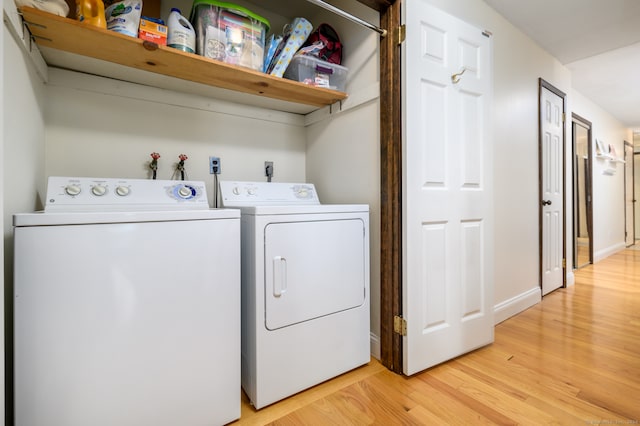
(152, 31)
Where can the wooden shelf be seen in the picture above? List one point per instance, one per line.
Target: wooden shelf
(68, 35)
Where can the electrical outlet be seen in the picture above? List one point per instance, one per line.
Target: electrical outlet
(268, 169)
(215, 167)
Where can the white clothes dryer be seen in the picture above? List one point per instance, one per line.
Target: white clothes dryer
(305, 287)
(127, 306)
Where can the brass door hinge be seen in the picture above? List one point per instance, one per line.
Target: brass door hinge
(402, 33)
(400, 325)
(564, 263)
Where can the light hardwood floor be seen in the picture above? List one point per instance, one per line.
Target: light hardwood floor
(573, 359)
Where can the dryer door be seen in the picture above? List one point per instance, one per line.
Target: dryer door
(313, 269)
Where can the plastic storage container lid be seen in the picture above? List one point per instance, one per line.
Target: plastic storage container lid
(317, 64)
(229, 6)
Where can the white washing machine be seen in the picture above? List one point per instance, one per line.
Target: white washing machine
(305, 287)
(127, 306)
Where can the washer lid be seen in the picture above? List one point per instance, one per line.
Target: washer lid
(85, 218)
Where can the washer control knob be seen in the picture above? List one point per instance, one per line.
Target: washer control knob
(123, 191)
(184, 192)
(251, 191)
(99, 190)
(236, 190)
(72, 189)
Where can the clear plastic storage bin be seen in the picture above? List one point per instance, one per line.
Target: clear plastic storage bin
(229, 33)
(316, 72)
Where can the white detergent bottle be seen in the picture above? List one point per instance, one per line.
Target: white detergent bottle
(180, 32)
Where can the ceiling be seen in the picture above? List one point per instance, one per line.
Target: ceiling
(597, 40)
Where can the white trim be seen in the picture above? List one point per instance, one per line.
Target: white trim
(375, 346)
(517, 304)
(608, 251)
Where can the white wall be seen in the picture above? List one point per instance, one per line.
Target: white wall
(23, 137)
(608, 190)
(22, 146)
(101, 127)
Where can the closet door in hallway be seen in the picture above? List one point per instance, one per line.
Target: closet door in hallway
(447, 186)
(552, 119)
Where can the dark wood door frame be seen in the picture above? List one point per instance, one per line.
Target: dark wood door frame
(581, 121)
(390, 182)
(391, 189)
(629, 163)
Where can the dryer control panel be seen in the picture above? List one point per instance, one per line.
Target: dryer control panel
(71, 194)
(244, 194)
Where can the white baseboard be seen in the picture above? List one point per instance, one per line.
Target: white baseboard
(375, 346)
(571, 278)
(515, 305)
(601, 254)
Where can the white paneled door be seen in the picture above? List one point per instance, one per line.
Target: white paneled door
(552, 147)
(447, 187)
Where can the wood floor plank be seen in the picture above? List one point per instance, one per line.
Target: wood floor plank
(473, 400)
(251, 416)
(562, 407)
(574, 358)
(620, 399)
(543, 392)
(512, 407)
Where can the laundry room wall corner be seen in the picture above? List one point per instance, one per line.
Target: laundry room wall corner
(22, 166)
(343, 150)
(347, 173)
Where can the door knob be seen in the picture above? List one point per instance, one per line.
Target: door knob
(546, 202)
